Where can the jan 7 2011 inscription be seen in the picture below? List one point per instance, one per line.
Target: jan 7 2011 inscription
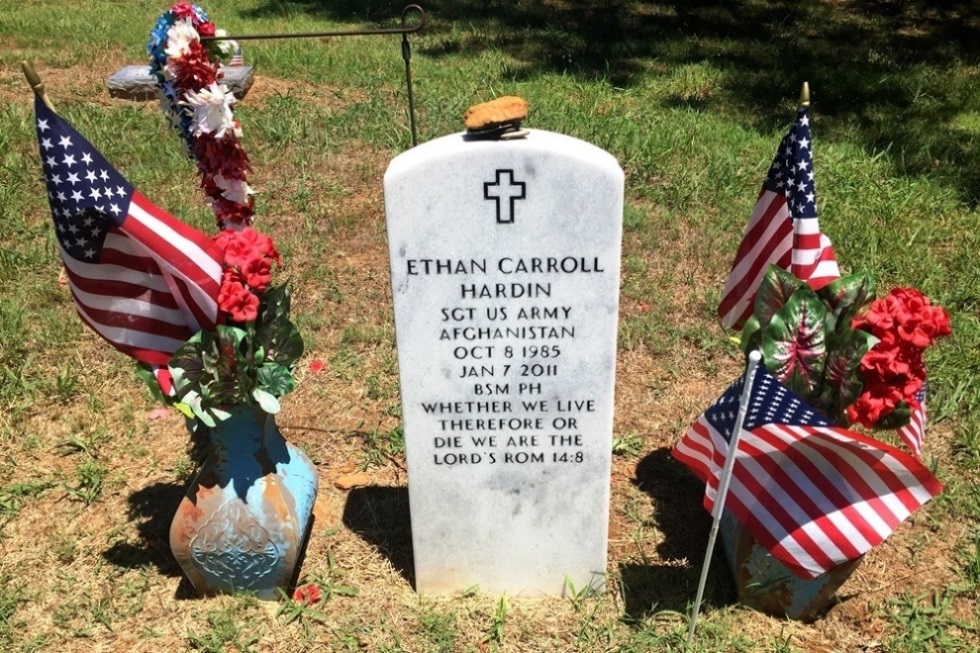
(505, 276)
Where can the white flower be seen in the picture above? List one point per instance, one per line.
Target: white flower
(179, 38)
(234, 190)
(226, 49)
(212, 110)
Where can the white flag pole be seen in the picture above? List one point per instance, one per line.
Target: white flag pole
(723, 482)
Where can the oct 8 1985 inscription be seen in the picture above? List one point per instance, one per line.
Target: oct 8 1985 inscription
(505, 276)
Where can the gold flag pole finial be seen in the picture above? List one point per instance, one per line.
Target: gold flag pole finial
(805, 95)
(36, 84)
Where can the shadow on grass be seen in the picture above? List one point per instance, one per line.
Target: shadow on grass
(380, 516)
(676, 497)
(153, 508)
(893, 75)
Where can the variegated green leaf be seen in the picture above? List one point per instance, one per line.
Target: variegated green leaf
(751, 334)
(266, 402)
(794, 346)
(844, 297)
(775, 289)
(842, 379)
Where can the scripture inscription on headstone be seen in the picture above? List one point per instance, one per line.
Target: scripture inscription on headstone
(505, 275)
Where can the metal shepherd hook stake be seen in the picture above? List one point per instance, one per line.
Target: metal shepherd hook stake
(404, 30)
(726, 477)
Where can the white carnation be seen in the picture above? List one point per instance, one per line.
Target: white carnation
(179, 37)
(212, 110)
(234, 190)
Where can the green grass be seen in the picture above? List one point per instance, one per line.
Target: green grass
(691, 98)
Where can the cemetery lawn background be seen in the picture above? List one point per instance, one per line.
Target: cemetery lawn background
(692, 100)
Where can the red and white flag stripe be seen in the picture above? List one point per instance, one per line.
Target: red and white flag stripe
(816, 497)
(768, 240)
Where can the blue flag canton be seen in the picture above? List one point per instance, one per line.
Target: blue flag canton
(86, 194)
(791, 172)
(769, 403)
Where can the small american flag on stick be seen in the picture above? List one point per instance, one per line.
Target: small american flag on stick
(140, 278)
(783, 230)
(813, 494)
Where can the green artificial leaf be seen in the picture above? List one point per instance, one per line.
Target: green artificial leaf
(844, 297)
(751, 334)
(775, 289)
(193, 401)
(898, 418)
(266, 401)
(230, 362)
(275, 379)
(189, 360)
(185, 409)
(275, 304)
(842, 378)
(144, 372)
(281, 340)
(794, 346)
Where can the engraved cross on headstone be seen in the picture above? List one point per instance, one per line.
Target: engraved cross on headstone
(500, 190)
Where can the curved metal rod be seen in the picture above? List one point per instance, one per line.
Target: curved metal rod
(404, 29)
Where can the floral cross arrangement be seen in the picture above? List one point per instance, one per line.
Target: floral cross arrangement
(250, 354)
(189, 81)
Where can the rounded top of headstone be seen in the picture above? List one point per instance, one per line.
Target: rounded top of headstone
(503, 113)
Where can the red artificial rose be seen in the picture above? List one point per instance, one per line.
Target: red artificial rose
(909, 387)
(249, 244)
(206, 28)
(873, 404)
(257, 273)
(317, 365)
(307, 594)
(883, 364)
(876, 319)
(236, 301)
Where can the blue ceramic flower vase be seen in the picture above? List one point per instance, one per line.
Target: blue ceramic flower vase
(244, 521)
(766, 584)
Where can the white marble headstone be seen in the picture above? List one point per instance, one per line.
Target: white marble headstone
(505, 276)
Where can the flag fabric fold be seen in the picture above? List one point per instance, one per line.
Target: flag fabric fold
(783, 229)
(914, 433)
(140, 278)
(815, 495)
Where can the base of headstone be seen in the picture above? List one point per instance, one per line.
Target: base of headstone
(137, 83)
(765, 584)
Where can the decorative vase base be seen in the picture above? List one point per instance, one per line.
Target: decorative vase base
(767, 585)
(244, 522)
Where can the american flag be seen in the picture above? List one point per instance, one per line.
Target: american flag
(142, 279)
(915, 432)
(784, 229)
(813, 494)
(237, 60)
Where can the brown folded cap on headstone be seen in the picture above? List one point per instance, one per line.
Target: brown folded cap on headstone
(496, 118)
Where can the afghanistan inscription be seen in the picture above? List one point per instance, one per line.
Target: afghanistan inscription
(505, 275)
